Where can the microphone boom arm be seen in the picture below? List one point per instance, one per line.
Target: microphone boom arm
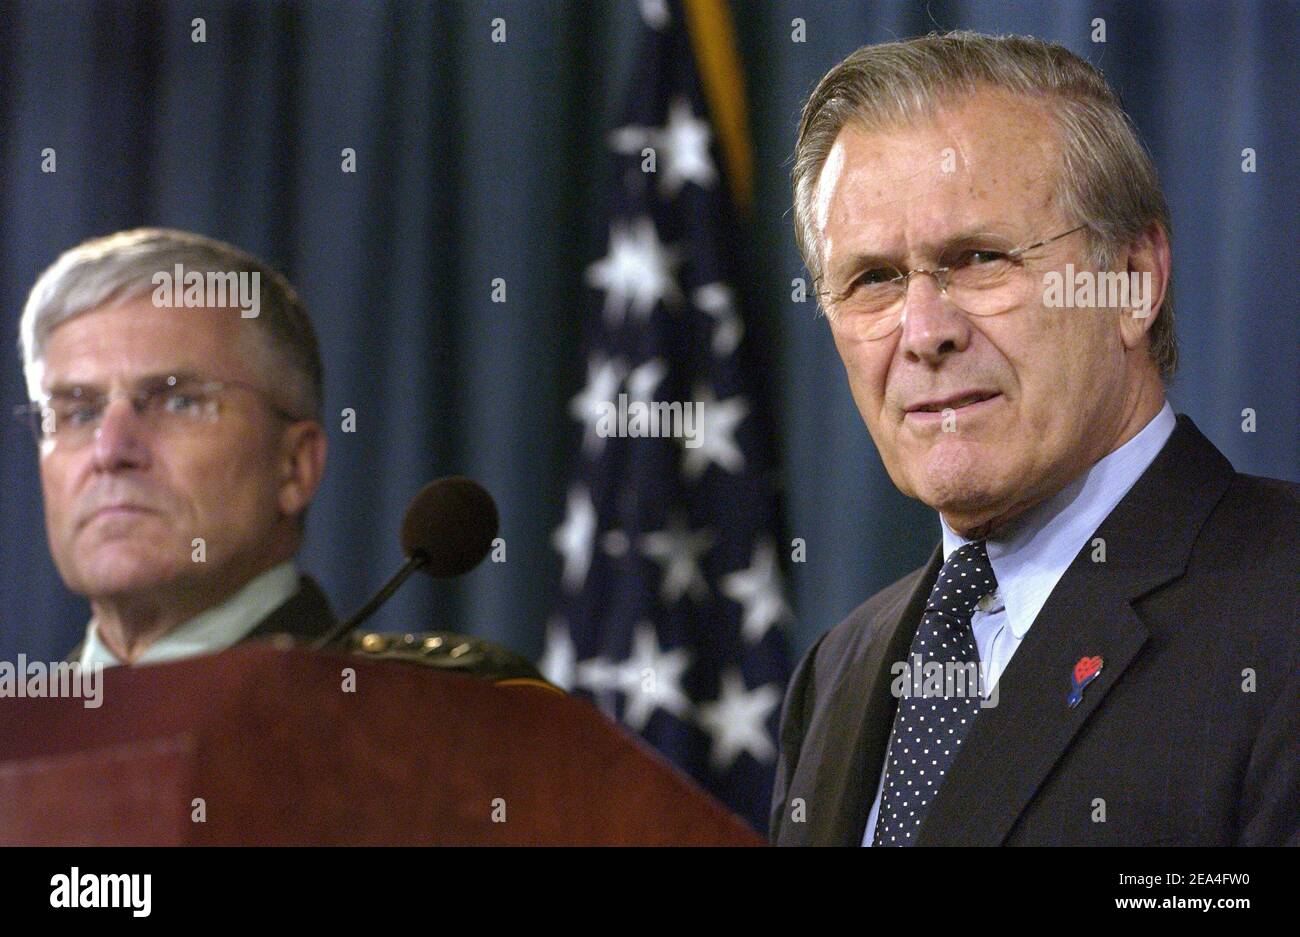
(335, 635)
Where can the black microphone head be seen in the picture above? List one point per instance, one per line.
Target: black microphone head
(453, 521)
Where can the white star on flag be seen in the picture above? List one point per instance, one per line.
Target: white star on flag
(681, 148)
(737, 720)
(559, 661)
(716, 429)
(573, 539)
(643, 380)
(678, 549)
(758, 589)
(638, 272)
(655, 13)
(718, 302)
(603, 378)
(684, 143)
(601, 676)
(652, 679)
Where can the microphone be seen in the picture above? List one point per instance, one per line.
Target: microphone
(448, 529)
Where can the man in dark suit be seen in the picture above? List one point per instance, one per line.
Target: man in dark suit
(175, 387)
(1104, 648)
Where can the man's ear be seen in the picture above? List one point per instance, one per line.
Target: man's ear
(1149, 258)
(302, 464)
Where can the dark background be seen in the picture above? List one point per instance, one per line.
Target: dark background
(479, 160)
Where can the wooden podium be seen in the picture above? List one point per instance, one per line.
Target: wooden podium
(263, 746)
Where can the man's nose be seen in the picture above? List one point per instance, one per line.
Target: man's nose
(121, 437)
(932, 326)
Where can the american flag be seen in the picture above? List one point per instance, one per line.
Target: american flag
(672, 610)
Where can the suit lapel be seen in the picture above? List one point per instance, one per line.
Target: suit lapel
(306, 614)
(846, 779)
(1013, 746)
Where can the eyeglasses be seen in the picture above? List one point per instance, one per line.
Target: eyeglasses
(171, 404)
(977, 279)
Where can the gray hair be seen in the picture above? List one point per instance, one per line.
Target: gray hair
(122, 266)
(1108, 181)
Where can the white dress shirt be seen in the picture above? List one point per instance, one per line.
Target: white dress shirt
(1031, 554)
(213, 629)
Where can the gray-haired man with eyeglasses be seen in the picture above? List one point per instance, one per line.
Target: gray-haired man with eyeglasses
(1103, 648)
(175, 388)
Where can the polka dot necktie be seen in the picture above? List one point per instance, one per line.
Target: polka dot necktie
(935, 717)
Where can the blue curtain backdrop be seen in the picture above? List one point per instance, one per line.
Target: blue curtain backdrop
(479, 160)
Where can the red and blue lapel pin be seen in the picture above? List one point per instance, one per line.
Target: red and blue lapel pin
(1085, 671)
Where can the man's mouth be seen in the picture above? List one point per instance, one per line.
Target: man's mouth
(116, 510)
(955, 402)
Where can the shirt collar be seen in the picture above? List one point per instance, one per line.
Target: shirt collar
(213, 629)
(1033, 552)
